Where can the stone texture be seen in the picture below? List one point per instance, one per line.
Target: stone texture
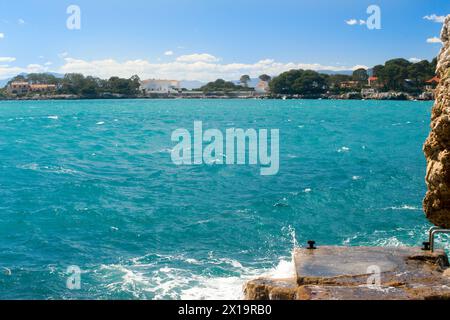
(342, 273)
(269, 289)
(324, 264)
(437, 146)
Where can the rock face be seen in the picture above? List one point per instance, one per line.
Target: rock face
(437, 146)
(359, 273)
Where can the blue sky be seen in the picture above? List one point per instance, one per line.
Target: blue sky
(206, 39)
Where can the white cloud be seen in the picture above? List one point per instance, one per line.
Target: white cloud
(435, 18)
(35, 68)
(414, 60)
(48, 63)
(358, 66)
(434, 40)
(355, 22)
(198, 57)
(168, 53)
(63, 55)
(186, 68)
(21, 21)
(2, 35)
(8, 72)
(7, 59)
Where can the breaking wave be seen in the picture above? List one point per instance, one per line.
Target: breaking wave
(138, 279)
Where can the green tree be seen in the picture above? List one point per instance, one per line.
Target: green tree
(135, 84)
(283, 83)
(72, 83)
(433, 66)
(309, 83)
(378, 70)
(43, 78)
(395, 73)
(302, 82)
(245, 79)
(221, 85)
(420, 72)
(360, 75)
(128, 87)
(90, 87)
(265, 77)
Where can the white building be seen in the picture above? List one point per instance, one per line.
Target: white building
(160, 86)
(262, 87)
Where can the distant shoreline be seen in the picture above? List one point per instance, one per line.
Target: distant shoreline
(204, 97)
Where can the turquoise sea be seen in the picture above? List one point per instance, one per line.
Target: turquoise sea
(92, 184)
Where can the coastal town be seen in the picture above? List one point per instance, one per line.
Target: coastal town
(398, 79)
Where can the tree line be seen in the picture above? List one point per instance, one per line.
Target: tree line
(85, 86)
(221, 85)
(394, 75)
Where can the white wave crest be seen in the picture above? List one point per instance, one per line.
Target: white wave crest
(343, 149)
(143, 280)
(403, 207)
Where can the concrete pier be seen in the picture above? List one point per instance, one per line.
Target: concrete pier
(359, 273)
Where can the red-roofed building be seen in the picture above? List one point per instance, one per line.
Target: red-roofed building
(432, 83)
(434, 80)
(374, 82)
(21, 88)
(372, 79)
(349, 84)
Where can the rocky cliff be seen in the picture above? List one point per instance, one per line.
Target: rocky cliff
(437, 146)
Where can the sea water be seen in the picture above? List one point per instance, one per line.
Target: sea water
(91, 184)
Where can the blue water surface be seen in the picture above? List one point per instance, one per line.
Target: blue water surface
(91, 183)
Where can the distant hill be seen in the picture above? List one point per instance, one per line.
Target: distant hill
(57, 75)
(3, 82)
(191, 84)
(253, 82)
(330, 72)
